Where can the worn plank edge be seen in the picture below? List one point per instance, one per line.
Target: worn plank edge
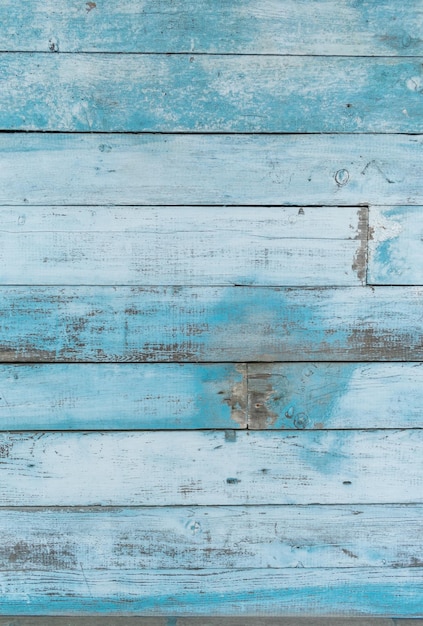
(177, 592)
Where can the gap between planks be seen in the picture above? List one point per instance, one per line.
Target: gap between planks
(188, 53)
(200, 133)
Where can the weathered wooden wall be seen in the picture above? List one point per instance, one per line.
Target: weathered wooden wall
(211, 307)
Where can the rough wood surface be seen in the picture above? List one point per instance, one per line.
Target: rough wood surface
(210, 537)
(283, 27)
(396, 246)
(212, 468)
(89, 169)
(335, 395)
(205, 621)
(210, 324)
(182, 245)
(122, 397)
(203, 197)
(203, 93)
(297, 591)
(287, 621)
(174, 396)
(120, 621)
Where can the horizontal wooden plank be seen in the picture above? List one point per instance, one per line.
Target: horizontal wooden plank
(283, 27)
(335, 395)
(175, 396)
(396, 246)
(203, 93)
(109, 621)
(206, 621)
(298, 591)
(259, 620)
(212, 468)
(210, 537)
(210, 324)
(39, 168)
(119, 397)
(182, 245)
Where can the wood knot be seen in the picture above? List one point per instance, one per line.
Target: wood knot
(342, 177)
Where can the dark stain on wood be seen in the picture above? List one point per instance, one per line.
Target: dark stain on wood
(236, 399)
(349, 553)
(259, 413)
(360, 259)
(23, 555)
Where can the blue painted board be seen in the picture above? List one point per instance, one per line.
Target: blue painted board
(59, 324)
(203, 537)
(294, 592)
(203, 93)
(396, 246)
(163, 502)
(335, 395)
(167, 468)
(106, 620)
(182, 245)
(185, 621)
(120, 397)
(89, 169)
(246, 26)
(184, 396)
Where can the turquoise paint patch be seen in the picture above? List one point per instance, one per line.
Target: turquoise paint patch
(265, 592)
(204, 93)
(304, 395)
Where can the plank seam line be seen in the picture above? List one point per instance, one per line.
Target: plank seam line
(205, 362)
(190, 286)
(202, 206)
(185, 431)
(352, 568)
(223, 133)
(117, 507)
(377, 285)
(172, 232)
(110, 508)
(193, 53)
(247, 402)
(143, 287)
(198, 206)
(210, 430)
(366, 273)
(200, 363)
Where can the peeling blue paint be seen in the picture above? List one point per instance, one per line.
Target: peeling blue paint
(194, 344)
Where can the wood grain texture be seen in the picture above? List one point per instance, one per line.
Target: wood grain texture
(203, 93)
(210, 207)
(122, 397)
(113, 621)
(61, 540)
(174, 396)
(282, 27)
(396, 246)
(335, 395)
(105, 620)
(89, 169)
(182, 246)
(299, 591)
(284, 621)
(259, 620)
(212, 468)
(59, 324)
